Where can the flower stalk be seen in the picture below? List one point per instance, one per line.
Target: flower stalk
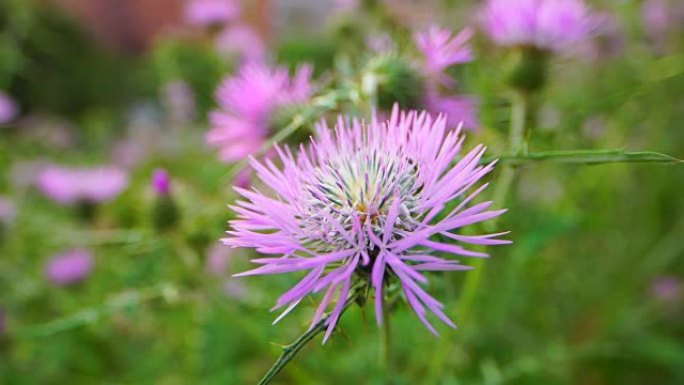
(290, 351)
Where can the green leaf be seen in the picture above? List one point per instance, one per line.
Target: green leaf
(587, 157)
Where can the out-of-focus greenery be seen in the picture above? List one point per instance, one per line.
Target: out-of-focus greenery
(570, 302)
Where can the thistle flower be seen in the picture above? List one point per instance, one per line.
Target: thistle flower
(179, 100)
(551, 25)
(442, 49)
(82, 185)
(8, 108)
(241, 40)
(69, 267)
(3, 322)
(8, 211)
(366, 202)
(161, 183)
(247, 103)
(211, 12)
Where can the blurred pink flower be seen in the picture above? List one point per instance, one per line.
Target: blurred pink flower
(161, 182)
(667, 289)
(179, 101)
(72, 185)
(8, 211)
(546, 24)
(128, 153)
(247, 102)
(70, 267)
(8, 108)
(218, 259)
(441, 50)
(241, 40)
(457, 108)
(210, 12)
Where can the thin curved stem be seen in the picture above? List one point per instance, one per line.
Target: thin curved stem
(291, 350)
(517, 145)
(386, 343)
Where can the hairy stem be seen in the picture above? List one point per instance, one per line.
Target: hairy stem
(291, 350)
(517, 139)
(386, 343)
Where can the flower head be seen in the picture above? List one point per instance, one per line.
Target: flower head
(84, 185)
(8, 108)
(69, 267)
(366, 202)
(242, 40)
(545, 24)
(179, 100)
(210, 12)
(161, 182)
(441, 49)
(8, 211)
(247, 103)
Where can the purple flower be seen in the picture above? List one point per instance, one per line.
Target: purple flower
(8, 211)
(545, 24)
(442, 49)
(210, 12)
(179, 99)
(366, 201)
(69, 267)
(457, 108)
(161, 182)
(3, 322)
(8, 108)
(667, 289)
(218, 259)
(89, 185)
(247, 102)
(241, 40)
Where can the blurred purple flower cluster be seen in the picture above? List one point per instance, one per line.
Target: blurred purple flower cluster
(69, 267)
(545, 24)
(248, 101)
(70, 185)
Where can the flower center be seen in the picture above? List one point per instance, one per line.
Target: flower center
(357, 191)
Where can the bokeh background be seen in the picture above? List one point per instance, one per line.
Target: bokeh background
(591, 291)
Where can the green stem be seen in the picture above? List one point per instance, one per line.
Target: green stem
(518, 145)
(319, 105)
(386, 343)
(291, 350)
(585, 157)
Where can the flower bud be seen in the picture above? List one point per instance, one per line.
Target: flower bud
(528, 69)
(165, 213)
(393, 80)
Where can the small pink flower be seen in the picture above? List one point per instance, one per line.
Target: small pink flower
(210, 12)
(546, 24)
(161, 182)
(8, 211)
(441, 49)
(179, 100)
(91, 185)
(69, 267)
(241, 40)
(247, 102)
(667, 289)
(8, 108)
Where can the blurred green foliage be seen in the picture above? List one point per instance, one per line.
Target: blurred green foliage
(570, 302)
